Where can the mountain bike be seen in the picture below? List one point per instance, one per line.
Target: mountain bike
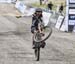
(39, 40)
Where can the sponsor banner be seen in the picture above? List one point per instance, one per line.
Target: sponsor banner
(59, 22)
(71, 7)
(63, 26)
(71, 11)
(7, 1)
(71, 22)
(29, 12)
(46, 17)
(71, 19)
(25, 10)
(71, 16)
(20, 6)
(72, 1)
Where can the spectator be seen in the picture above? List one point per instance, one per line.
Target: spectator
(50, 5)
(40, 2)
(61, 8)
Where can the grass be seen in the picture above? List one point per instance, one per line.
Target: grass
(38, 5)
(55, 3)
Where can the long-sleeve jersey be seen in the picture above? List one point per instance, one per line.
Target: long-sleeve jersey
(36, 20)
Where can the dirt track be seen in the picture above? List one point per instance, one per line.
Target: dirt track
(16, 46)
(8, 10)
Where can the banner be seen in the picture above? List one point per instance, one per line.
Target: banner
(46, 17)
(20, 6)
(70, 15)
(7, 1)
(29, 12)
(71, 19)
(63, 25)
(72, 1)
(59, 22)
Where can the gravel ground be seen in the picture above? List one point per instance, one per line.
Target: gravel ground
(16, 45)
(8, 10)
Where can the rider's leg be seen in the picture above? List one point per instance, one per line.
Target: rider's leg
(33, 30)
(41, 30)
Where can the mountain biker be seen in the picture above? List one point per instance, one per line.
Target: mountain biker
(36, 19)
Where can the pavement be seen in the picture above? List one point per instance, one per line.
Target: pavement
(16, 44)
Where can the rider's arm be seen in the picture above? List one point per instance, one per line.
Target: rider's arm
(42, 21)
(33, 20)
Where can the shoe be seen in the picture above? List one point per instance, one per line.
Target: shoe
(33, 47)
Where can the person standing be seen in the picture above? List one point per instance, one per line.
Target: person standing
(61, 8)
(50, 5)
(40, 2)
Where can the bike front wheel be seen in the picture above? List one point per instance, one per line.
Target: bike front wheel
(47, 32)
